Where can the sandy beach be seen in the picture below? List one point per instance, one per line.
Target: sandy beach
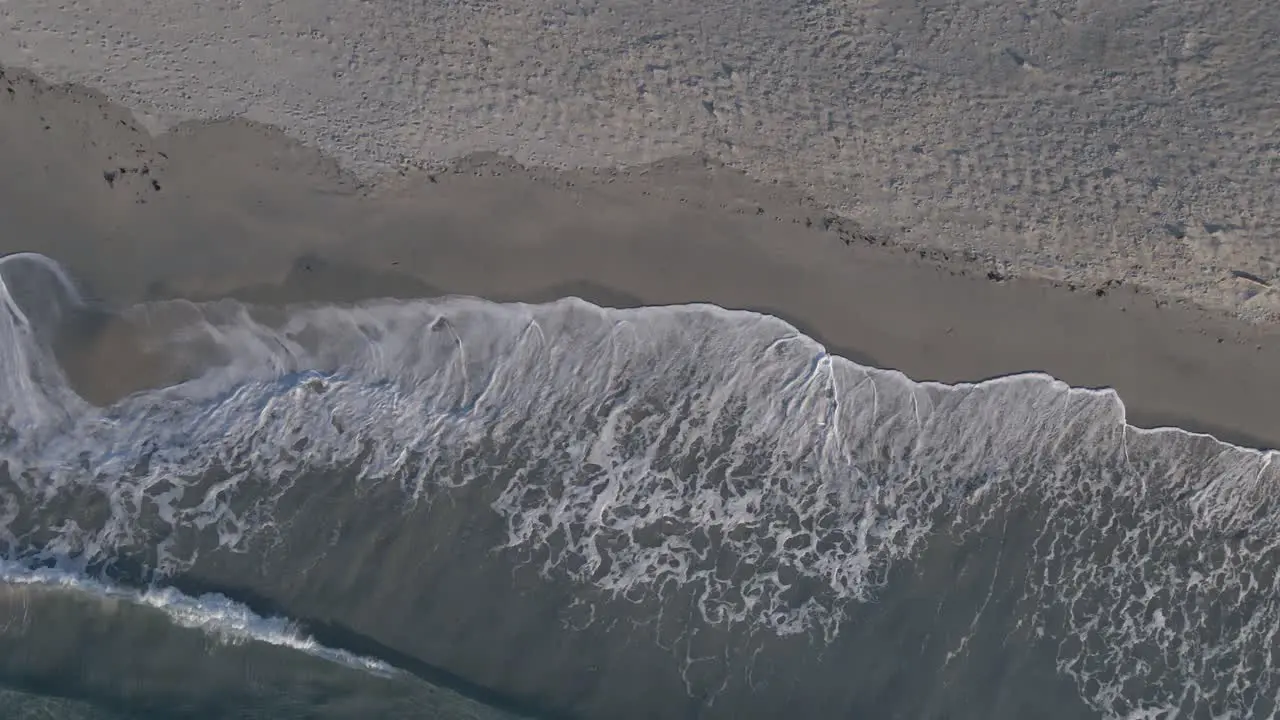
(1084, 142)
(236, 209)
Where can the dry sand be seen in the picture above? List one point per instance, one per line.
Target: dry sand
(235, 208)
(1082, 140)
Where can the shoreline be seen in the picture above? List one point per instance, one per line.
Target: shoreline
(236, 209)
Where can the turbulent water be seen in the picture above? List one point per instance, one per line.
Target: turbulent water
(754, 522)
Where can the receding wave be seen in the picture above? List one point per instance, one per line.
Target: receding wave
(642, 452)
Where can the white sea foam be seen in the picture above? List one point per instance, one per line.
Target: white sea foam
(214, 614)
(721, 452)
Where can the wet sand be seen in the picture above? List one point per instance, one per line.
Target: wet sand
(234, 208)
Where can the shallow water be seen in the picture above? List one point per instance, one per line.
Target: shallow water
(568, 510)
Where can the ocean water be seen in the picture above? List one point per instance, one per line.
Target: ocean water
(457, 508)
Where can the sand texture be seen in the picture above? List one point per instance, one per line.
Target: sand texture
(1083, 141)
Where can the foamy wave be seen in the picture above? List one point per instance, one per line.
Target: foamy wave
(720, 452)
(214, 614)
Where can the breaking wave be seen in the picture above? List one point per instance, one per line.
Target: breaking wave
(722, 453)
(216, 615)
